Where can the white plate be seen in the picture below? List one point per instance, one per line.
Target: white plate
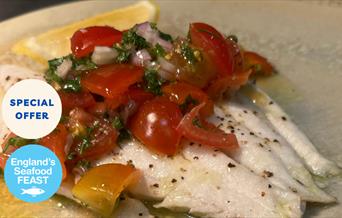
(302, 39)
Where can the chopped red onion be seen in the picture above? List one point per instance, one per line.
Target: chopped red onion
(129, 109)
(68, 144)
(141, 57)
(104, 55)
(152, 36)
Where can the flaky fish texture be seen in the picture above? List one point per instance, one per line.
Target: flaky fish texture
(282, 123)
(205, 182)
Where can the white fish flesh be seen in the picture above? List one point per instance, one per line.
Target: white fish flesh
(315, 162)
(206, 178)
(220, 187)
(257, 154)
(249, 115)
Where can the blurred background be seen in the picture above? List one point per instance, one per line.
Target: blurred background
(11, 8)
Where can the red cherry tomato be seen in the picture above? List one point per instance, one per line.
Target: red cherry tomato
(220, 85)
(139, 95)
(254, 60)
(154, 124)
(9, 149)
(206, 133)
(3, 160)
(112, 80)
(213, 44)
(72, 100)
(95, 136)
(181, 92)
(84, 40)
(56, 142)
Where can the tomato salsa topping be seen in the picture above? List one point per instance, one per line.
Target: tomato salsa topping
(141, 83)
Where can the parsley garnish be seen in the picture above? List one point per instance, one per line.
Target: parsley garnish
(153, 82)
(165, 36)
(162, 35)
(123, 136)
(117, 123)
(85, 164)
(71, 155)
(188, 53)
(158, 51)
(83, 63)
(50, 75)
(17, 142)
(189, 100)
(83, 145)
(123, 54)
(132, 38)
(197, 122)
(72, 85)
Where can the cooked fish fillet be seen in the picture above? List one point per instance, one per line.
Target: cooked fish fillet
(247, 113)
(261, 154)
(213, 184)
(316, 163)
(130, 207)
(220, 187)
(201, 180)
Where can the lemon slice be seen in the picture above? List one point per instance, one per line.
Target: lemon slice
(56, 42)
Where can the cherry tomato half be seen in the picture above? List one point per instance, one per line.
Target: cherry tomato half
(154, 124)
(112, 80)
(214, 45)
(72, 100)
(56, 142)
(188, 96)
(93, 137)
(257, 63)
(84, 40)
(207, 133)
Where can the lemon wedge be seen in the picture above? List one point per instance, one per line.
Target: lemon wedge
(56, 42)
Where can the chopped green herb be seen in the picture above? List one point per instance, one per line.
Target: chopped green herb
(123, 54)
(50, 74)
(153, 82)
(132, 38)
(197, 122)
(1, 172)
(158, 51)
(71, 156)
(85, 164)
(162, 35)
(189, 100)
(17, 142)
(165, 36)
(72, 85)
(83, 63)
(188, 53)
(117, 123)
(83, 145)
(124, 135)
